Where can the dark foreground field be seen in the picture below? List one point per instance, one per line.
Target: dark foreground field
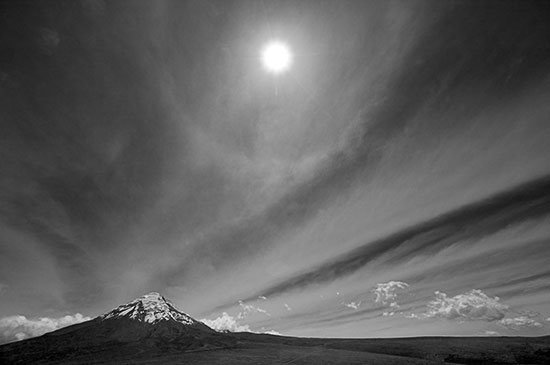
(246, 348)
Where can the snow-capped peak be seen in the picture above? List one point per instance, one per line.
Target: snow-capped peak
(149, 308)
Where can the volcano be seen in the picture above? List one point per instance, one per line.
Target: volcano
(148, 317)
(148, 324)
(151, 330)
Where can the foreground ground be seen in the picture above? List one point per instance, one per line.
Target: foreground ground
(246, 348)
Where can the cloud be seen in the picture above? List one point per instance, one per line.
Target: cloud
(386, 292)
(3, 287)
(386, 295)
(287, 307)
(478, 219)
(353, 305)
(519, 322)
(225, 322)
(15, 328)
(272, 332)
(476, 305)
(249, 308)
(473, 305)
(20, 336)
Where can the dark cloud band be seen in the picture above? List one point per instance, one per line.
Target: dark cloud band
(525, 202)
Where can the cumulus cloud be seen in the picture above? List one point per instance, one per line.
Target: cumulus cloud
(386, 292)
(16, 328)
(288, 308)
(472, 305)
(20, 336)
(225, 322)
(519, 322)
(228, 323)
(476, 305)
(353, 305)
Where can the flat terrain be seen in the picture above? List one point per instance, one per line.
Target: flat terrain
(247, 348)
(265, 354)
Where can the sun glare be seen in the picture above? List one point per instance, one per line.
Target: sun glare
(276, 57)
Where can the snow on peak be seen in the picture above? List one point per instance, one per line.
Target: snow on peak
(149, 308)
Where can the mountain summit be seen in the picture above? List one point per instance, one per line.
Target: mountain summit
(150, 316)
(150, 308)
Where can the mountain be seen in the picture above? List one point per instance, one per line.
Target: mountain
(148, 324)
(150, 330)
(151, 308)
(150, 316)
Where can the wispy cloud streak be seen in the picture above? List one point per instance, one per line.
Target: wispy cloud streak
(525, 202)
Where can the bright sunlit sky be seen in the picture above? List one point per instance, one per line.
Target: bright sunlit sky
(276, 57)
(314, 168)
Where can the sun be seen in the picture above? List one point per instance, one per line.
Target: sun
(276, 57)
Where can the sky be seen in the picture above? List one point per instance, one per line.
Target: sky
(394, 181)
